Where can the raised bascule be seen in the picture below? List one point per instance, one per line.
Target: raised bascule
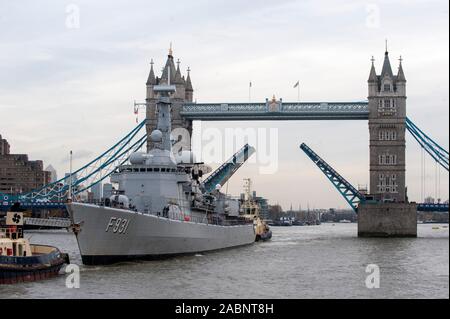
(385, 211)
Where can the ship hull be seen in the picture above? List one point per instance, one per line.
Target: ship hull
(107, 235)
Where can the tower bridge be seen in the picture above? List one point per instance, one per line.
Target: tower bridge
(388, 214)
(275, 110)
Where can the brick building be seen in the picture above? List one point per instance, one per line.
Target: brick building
(4, 146)
(17, 173)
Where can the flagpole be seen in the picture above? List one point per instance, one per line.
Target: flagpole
(297, 85)
(69, 199)
(250, 92)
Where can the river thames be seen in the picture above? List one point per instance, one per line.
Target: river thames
(326, 261)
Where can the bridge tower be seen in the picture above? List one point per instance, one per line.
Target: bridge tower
(184, 93)
(387, 127)
(391, 215)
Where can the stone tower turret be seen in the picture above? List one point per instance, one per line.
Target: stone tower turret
(189, 90)
(183, 94)
(387, 115)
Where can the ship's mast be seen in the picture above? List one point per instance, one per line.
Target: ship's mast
(249, 206)
(247, 189)
(164, 92)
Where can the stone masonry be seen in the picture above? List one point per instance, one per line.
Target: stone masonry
(184, 93)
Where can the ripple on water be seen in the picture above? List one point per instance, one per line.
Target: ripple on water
(323, 261)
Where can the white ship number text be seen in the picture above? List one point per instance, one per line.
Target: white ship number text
(117, 225)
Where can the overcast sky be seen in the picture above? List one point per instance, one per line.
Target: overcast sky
(68, 83)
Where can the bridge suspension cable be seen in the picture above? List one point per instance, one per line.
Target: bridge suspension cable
(92, 173)
(353, 196)
(437, 152)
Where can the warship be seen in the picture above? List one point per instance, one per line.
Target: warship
(160, 207)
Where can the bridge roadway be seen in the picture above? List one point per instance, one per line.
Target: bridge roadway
(276, 110)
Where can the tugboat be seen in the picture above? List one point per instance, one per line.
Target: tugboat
(250, 209)
(21, 261)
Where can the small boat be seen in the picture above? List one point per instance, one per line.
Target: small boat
(284, 221)
(262, 229)
(251, 210)
(21, 261)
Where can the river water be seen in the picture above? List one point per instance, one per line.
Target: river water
(326, 261)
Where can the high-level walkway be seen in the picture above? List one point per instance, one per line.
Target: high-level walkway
(276, 110)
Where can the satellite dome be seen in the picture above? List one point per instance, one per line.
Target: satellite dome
(156, 136)
(137, 158)
(218, 187)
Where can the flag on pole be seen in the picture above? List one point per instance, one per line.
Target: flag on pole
(296, 84)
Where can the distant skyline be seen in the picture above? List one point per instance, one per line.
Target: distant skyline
(70, 71)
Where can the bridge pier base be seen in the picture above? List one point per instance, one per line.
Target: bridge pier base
(387, 220)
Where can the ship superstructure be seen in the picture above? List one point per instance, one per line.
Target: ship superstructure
(160, 207)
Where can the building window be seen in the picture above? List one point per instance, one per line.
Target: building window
(387, 183)
(392, 135)
(387, 87)
(387, 159)
(381, 183)
(387, 107)
(387, 135)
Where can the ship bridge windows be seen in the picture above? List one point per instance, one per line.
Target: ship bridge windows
(149, 170)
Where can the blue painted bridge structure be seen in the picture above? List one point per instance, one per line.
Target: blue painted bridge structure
(351, 195)
(54, 195)
(276, 110)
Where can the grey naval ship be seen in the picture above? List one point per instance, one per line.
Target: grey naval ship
(160, 208)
